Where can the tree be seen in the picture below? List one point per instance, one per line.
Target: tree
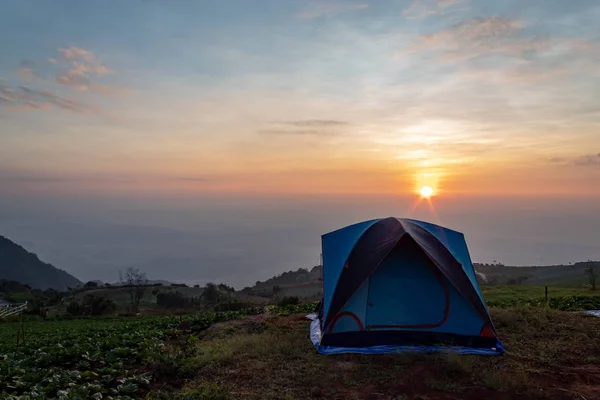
(211, 294)
(592, 275)
(135, 281)
(226, 288)
(276, 290)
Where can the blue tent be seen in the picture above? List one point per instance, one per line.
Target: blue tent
(399, 285)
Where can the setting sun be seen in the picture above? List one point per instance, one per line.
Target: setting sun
(426, 192)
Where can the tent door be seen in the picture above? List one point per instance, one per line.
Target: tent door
(406, 292)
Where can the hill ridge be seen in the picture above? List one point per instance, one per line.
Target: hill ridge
(20, 265)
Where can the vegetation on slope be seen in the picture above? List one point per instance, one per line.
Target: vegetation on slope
(555, 275)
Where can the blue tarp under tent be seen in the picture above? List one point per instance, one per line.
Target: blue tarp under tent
(396, 285)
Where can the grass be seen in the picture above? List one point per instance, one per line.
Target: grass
(549, 355)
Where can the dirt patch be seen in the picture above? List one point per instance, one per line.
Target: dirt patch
(248, 325)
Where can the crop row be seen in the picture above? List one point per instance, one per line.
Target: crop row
(102, 358)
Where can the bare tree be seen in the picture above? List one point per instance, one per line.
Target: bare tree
(135, 281)
(592, 275)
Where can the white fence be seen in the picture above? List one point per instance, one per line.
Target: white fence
(6, 310)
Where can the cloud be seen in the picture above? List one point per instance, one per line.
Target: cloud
(83, 69)
(315, 123)
(192, 179)
(496, 36)
(299, 132)
(479, 36)
(83, 60)
(588, 160)
(33, 179)
(26, 70)
(80, 69)
(17, 176)
(320, 9)
(306, 127)
(25, 73)
(27, 99)
(74, 78)
(527, 72)
(557, 160)
(420, 9)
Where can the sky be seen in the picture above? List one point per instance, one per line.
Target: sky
(205, 140)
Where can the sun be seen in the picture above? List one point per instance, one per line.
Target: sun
(426, 192)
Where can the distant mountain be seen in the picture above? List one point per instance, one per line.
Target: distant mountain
(301, 276)
(17, 264)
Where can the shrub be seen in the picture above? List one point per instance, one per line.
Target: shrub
(289, 301)
(172, 300)
(91, 305)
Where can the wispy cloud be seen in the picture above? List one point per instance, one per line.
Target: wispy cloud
(587, 160)
(25, 98)
(83, 60)
(33, 178)
(79, 70)
(26, 69)
(484, 37)
(420, 9)
(191, 178)
(300, 132)
(315, 123)
(479, 36)
(30, 177)
(307, 127)
(83, 68)
(318, 9)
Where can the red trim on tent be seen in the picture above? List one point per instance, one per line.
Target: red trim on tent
(345, 314)
(487, 331)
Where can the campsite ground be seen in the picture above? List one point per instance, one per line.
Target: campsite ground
(549, 355)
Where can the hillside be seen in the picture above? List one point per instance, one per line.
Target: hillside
(555, 275)
(17, 264)
(301, 283)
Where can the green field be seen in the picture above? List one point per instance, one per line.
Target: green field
(95, 358)
(496, 293)
(212, 356)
